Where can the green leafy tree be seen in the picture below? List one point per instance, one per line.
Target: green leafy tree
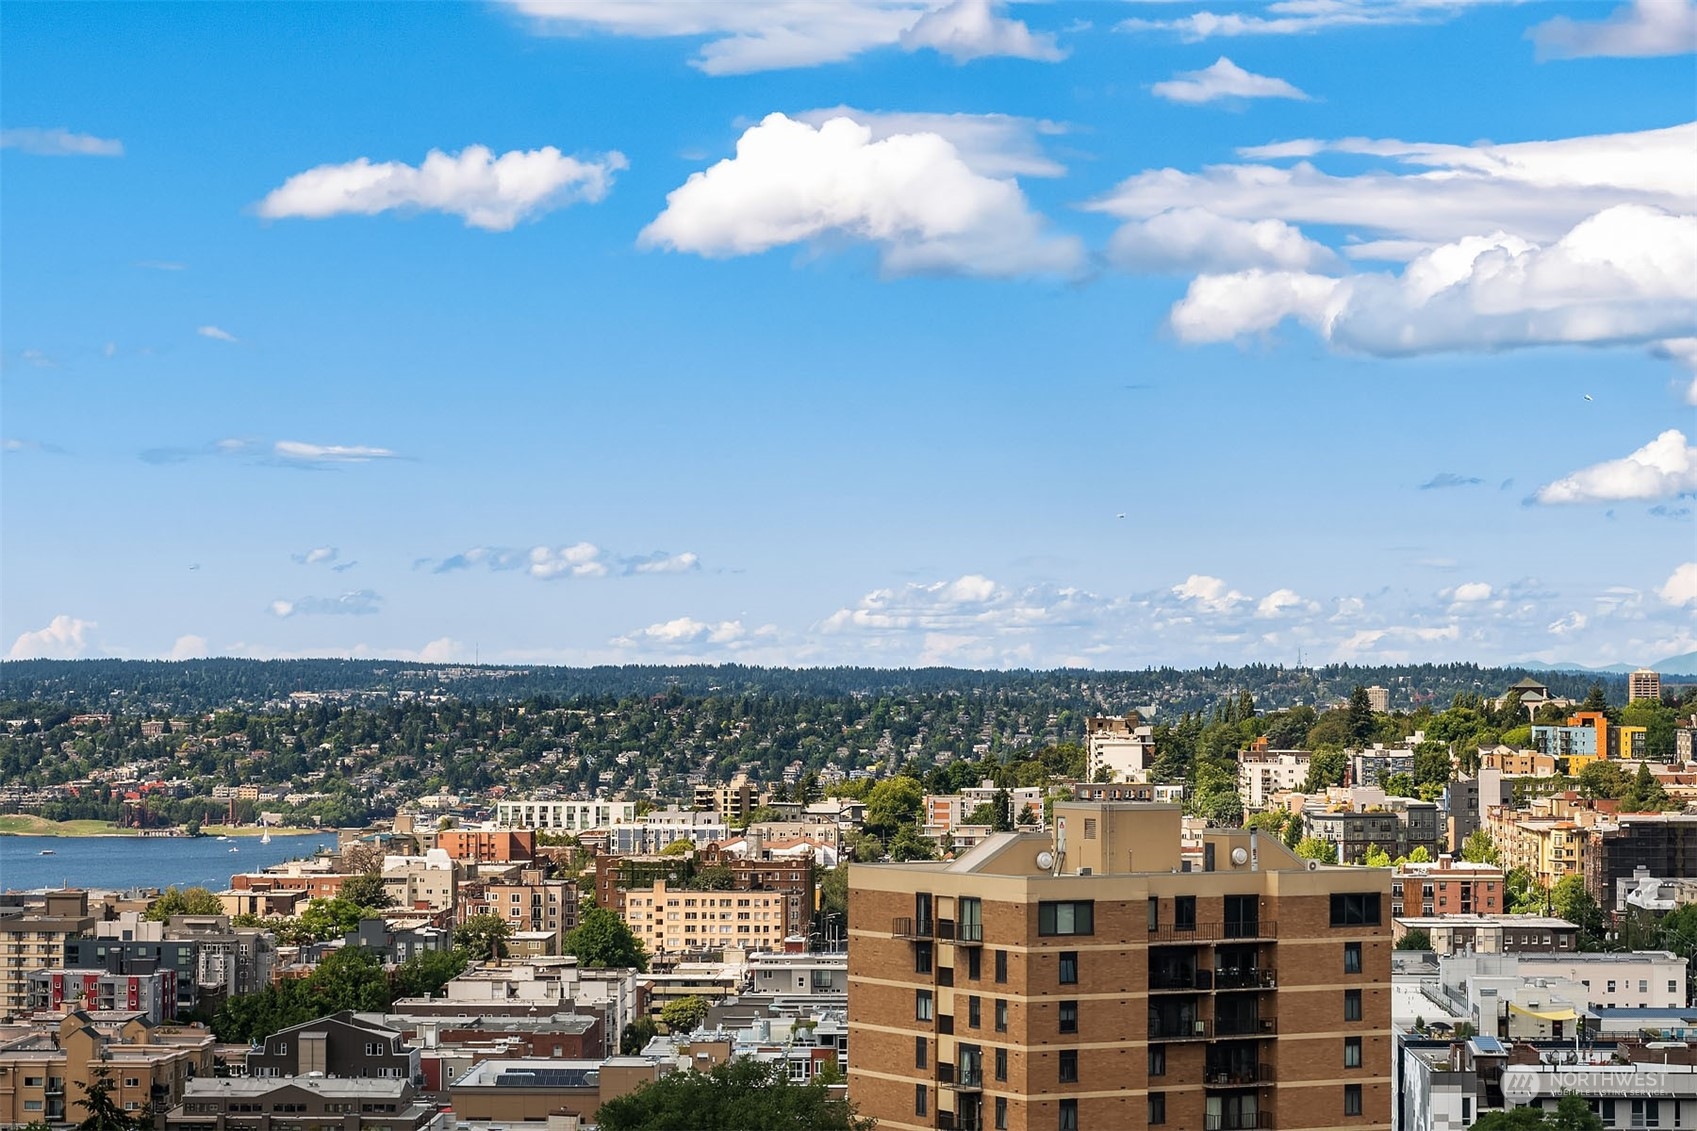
(1001, 819)
(1400, 785)
(679, 848)
(1570, 900)
(868, 850)
(350, 977)
(1360, 716)
(1325, 768)
(1415, 940)
(738, 1095)
(686, 1014)
(1645, 794)
(601, 939)
(366, 890)
(482, 937)
(1376, 857)
(984, 813)
(1595, 700)
(1525, 897)
(1479, 848)
(1572, 1113)
(104, 1114)
(326, 919)
(636, 1036)
(183, 901)
(424, 975)
(1603, 778)
(893, 803)
(908, 844)
(1317, 848)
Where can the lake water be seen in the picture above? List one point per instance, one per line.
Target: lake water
(128, 861)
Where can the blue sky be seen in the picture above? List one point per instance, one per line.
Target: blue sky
(847, 333)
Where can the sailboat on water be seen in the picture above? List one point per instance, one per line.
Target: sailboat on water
(265, 837)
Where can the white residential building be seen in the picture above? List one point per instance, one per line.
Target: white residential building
(430, 881)
(1118, 748)
(1262, 773)
(563, 816)
(654, 832)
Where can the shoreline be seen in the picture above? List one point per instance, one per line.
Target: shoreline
(116, 833)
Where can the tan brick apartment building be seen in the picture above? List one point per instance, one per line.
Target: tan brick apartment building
(35, 940)
(1088, 982)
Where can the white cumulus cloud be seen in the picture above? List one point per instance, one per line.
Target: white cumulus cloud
(1661, 469)
(188, 647)
(1209, 594)
(745, 36)
(1224, 79)
(1638, 29)
(991, 145)
(317, 555)
(1194, 239)
(216, 334)
(490, 192)
(59, 143)
(581, 559)
(359, 602)
(911, 195)
(64, 638)
(1469, 592)
(1681, 587)
(1627, 274)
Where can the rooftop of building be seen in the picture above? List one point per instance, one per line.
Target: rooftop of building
(1533, 922)
(544, 1072)
(212, 1087)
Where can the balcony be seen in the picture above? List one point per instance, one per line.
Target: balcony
(1241, 1076)
(1180, 981)
(1248, 978)
(967, 1079)
(1238, 1121)
(961, 934)
(1184, 1029)
(1251, 929)
(906, 927)
(1246, 1027)
(1194, 935)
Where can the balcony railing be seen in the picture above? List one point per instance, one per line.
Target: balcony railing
(1246, 1026)
(1249, 978)
(1191, 1029)
(906, 927)
(1179, 981)
(1243, 1076)
(967, 1079)
(1251, 929)
(1242, 1121)
(1197, 933)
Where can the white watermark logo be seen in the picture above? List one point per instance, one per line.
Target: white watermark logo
(1522, 1083)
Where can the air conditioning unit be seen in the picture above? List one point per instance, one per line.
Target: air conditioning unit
(1313, 865)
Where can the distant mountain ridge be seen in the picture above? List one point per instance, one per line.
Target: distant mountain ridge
(1683, 666)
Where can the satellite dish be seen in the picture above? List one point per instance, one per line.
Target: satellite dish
(1045, 859)
(1240, 856)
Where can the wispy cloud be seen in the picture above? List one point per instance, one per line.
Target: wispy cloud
(1301, 17)
(579, 559)
(318, 555)
(1447, 479)
(59, 143)
(298, 451)
(1664, 468)
(18, 445)
(359, 602)
(217, 334)
(1222, 80)
(745, 36)
(488, 192)
(281, 453)
(1638, 29)
(188, 647)
(64, 638)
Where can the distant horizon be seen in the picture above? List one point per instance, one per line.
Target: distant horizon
(980, 333)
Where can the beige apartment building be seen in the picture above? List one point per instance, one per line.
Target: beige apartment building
(675, 921)
(35, 940)
(1097, 979)
(44, 1069)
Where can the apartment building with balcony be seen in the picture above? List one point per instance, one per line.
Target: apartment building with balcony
(1091, 978)
(35, 940)
(1447, 887)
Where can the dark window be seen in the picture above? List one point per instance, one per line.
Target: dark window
(969, 922)
(1352, 1052)
(1001, 1113)
(974, 1016)
(1001, 966)
(1069, 1066)
(1069, 967)
(922, 911)
(1157, 1108)
(1355, 909)
(922, 1005)
(1243, 916)
(919, 1099)
(975, 964)
(1069, 1017)
(1352, 1005)
(1352, 1099)
(1001, 1016)
(1158, 1060)
(1001, 1064)
(1069, 1115)
(1184, 913)
(1154, 914)
(1066, 917)
(920, 1055)
(922, 958)
(1352, 958)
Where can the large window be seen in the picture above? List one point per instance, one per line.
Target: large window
(969, 927)
(922, 958)
(1059, 917)
(1355, 909)
(1184, 913)
(1069, 1115)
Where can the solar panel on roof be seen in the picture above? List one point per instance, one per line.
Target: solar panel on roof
(1490, 1046)
(548, 1078)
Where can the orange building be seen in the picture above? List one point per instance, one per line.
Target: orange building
(495, 846)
